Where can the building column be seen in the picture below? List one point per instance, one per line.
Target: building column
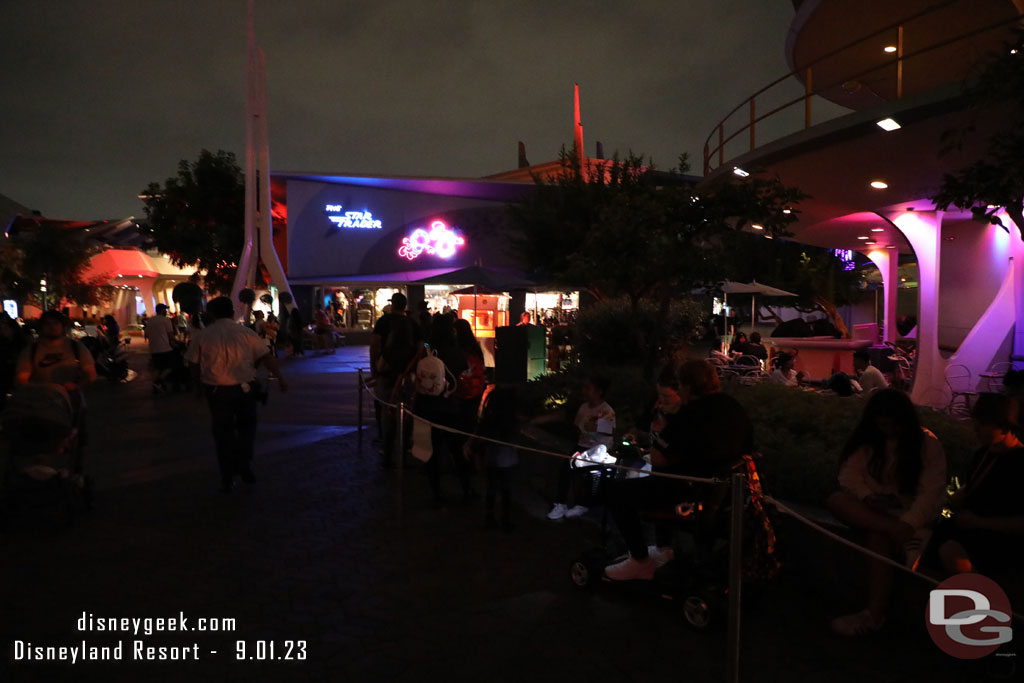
(888, 262)
(1017, 263)
(146, 291)
(923, 229)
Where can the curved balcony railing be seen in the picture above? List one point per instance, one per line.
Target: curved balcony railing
(731, 128)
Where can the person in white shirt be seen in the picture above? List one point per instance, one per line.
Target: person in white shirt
(869, 377)
(784, 373)
(159, 331)
(892, 480)
(224, 359)
(596, 422)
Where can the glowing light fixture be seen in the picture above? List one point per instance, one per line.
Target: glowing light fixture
(787, 211)
(889, 48)
(888, 124)
(877, 229)
(863, 237)
(890, 246)
(870, 242)
(757, 226)
(438, 241)
(879, 184)
(740, 172)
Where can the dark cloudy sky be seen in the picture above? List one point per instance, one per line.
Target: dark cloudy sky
(99, 97)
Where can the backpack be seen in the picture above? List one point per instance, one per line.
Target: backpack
(432, 377)
(471, 381)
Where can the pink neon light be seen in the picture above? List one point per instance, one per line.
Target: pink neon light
(440, 241)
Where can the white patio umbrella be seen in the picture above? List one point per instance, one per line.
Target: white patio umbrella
(753, 288)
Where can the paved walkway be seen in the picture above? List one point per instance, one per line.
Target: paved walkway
(313, 552)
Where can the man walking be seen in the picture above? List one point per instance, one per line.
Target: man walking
(224, 359)
(159, 331)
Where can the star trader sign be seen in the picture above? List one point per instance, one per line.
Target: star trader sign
(353, 220)
(438, 241)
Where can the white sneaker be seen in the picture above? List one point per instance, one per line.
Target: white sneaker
(915, 547)
(661, 556)
(631, 569)
(558, 511)
(576, 511)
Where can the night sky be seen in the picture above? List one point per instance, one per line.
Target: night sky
(101, 97)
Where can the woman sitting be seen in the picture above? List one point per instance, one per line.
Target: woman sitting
(709, 433)
(987, 526)
(892, 477)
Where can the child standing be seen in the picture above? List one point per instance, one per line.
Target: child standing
(499, 422)
(595, 421)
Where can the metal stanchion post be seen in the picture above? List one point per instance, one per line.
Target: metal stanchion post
(400, 458)
(360, 409)
(739, 482)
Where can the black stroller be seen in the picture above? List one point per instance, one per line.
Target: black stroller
(41, 473)
(697, 576)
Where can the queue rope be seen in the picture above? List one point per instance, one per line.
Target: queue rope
(554, 454)
(782, 507)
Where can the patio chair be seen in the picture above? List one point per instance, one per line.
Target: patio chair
(961, 387)
(993, 377)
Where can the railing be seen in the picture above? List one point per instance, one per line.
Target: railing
(810, 90)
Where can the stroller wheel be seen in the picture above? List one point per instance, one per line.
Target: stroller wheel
(581, 574)
(697, 610)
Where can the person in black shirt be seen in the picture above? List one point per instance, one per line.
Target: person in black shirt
(704, 439)
(987, 526)
(393, 346)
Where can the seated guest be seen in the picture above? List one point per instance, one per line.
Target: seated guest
(784, 372)
(987, 526)
(709, 433)
(892, 479)
(755, 348)
(739, 345)
(869, 377)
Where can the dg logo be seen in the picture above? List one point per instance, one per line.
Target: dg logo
(968, 616)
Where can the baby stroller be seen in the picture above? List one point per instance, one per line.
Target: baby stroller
(696, 578)
(41, 470)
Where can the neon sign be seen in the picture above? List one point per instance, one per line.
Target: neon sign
(439, 241)
(846, 256)
(358, 220)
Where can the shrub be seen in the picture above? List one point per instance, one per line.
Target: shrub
(801, 434)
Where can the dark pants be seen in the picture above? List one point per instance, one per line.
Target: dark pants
(498, 482)
(631, 497)
(233, 414)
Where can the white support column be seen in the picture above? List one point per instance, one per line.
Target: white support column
(888, 261)
(146, 291)
(923, 229)
(1017, 263)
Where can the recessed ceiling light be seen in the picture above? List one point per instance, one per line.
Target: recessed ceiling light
(756, 226)
(879, 184)
(768, 237)
(740, 172)
(863, 237)
(889, 48)
(888, 124)
(870, 242)
(787, 211)
(877, 229)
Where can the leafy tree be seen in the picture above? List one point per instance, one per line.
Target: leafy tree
(61, 257)
(996, 180)
(621, 228)
(198, 217)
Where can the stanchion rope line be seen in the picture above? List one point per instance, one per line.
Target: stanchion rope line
(563, 456)
(856, 546)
